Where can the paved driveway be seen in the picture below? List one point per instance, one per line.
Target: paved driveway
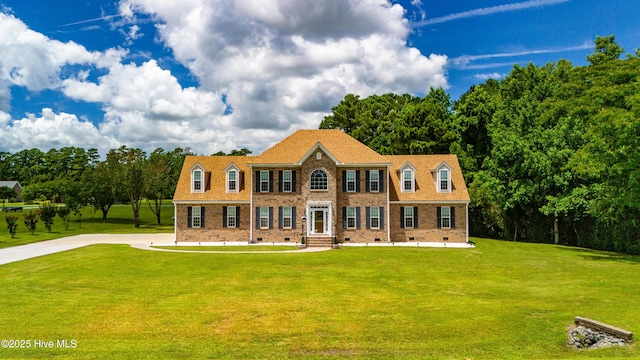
(139, 241)
(23, 252)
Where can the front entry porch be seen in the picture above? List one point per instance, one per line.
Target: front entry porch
(320, 224)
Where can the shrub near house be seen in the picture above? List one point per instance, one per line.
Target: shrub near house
(321, 184)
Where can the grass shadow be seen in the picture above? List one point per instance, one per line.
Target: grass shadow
(601, 255)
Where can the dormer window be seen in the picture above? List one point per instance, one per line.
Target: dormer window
(443, 178)
(197, 180)
(408, 180)
(232, 180)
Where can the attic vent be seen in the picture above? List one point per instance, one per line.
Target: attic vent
(318, 155)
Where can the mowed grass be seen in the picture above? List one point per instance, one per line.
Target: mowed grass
(501, 300)
(119, 221)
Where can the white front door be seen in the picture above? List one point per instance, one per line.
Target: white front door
(319, 221)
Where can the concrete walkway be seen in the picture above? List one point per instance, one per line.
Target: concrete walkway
(138, 241)
(28, 251)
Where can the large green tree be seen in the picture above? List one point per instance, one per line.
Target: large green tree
(397, 124)
(103, 187)
(6, 193)
(161, 173)
(606, 50)
(128, 170)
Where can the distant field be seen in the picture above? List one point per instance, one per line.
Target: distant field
(501, 300)
(119, 220)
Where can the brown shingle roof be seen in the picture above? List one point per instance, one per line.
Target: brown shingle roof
(215, 179)
(343, 147)
(425, 177)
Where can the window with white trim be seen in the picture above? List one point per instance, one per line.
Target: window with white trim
(444, 180)
(196, 217)
(319, 180)
(374, 180)
(374, 217)
(196, 181)
(351, 180)
(407, 180)
(264, 217)
(231, 216)
(351, 217)
(445, 217)
(408, 217)
(264, 181)
(286, 217)
(286, 181)
(232, 180)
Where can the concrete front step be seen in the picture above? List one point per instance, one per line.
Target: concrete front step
(319, 241)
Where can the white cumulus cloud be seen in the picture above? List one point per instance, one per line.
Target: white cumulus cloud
(264, 68)
(282, 64)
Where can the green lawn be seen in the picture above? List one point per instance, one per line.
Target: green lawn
(500, 300)
(119, 221)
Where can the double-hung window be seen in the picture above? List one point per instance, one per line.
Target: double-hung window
(351, 180)
(197, 180)
(286, 217)
(445, 217)
(232, 181)
(196, 217)
(374, 181)
(351, 217)
(264, 217)
(264, 181)
(286, 181)
(408, 217)
(374, 217)
(444, 180)
(407, 180)
(231, 217)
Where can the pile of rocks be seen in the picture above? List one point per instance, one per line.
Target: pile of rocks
(584, 338)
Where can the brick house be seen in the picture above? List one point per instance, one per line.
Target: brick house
(321, 185)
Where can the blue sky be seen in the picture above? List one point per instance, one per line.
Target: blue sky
(225, 74)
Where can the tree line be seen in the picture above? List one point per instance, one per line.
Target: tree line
(549, 153)
(78, 177)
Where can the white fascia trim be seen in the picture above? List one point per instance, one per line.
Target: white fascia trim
(430, 202)
(196, 166)
(230, 166)
(441, 165)
(467, 223)
(388, 206)
(285, 166)
(251, 214)
(367, 165)
(186, 202)
(318, 146)
(175, 222)
(405, 165)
